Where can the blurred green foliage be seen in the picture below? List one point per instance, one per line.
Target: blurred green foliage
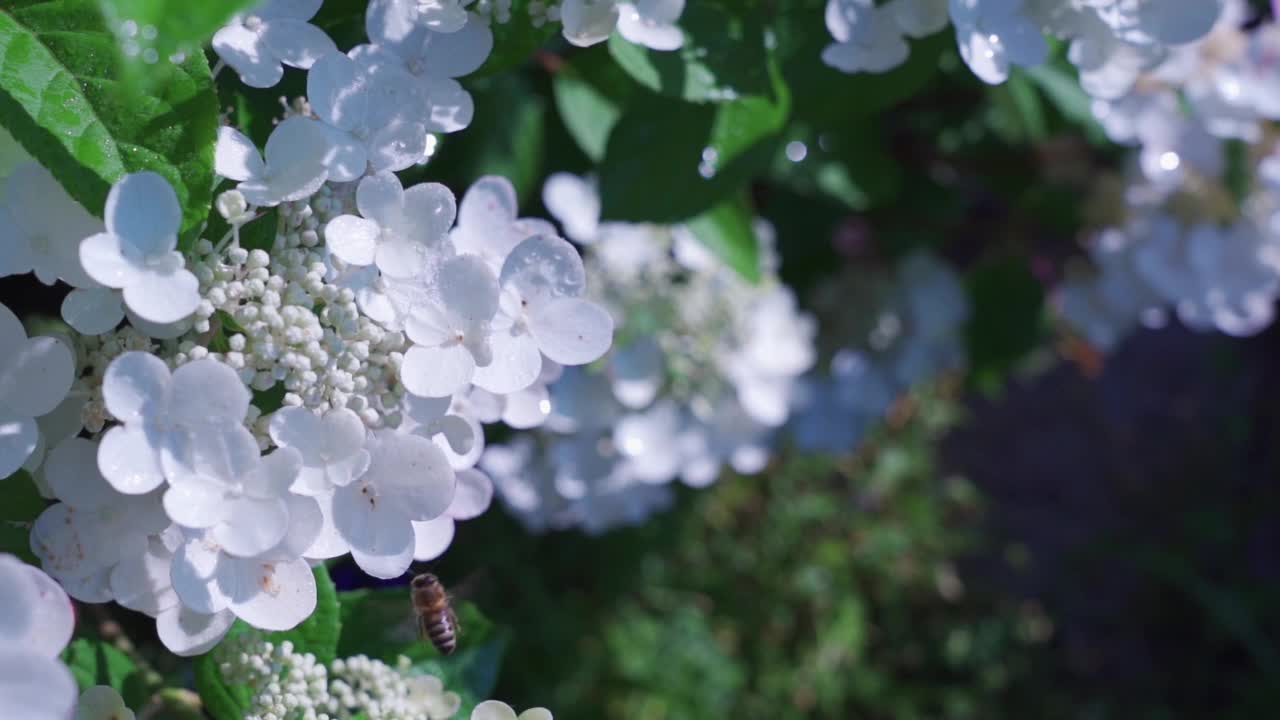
(819, 589)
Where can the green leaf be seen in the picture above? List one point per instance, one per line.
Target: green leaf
(379, 624)
(667, 161)
(853, 167)
(152, 31)
(723, 57)
(95, 662)
(221, 701)
(590, 94)
(16, 540)
(62, 97)
(726, 231)
(1062, 88)
(22, 501)
(1005, 325)
(515, 40)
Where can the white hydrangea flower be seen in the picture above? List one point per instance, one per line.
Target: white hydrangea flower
(498, 710)
(575, 202)
(159, 410)
(297, 157)
(443, 16)
(409, 479)
(541, 311)
(451, 336)
(488, 223)
(996, 34)
(587, 22)
(652, 23)
(102, 702)
(372, 114)
(332, 446)
(276, 33)
(397, 229)
(138, 252)
(867, 37)
(392, 26)
(41, 227)
(36, 622)
(35, 376)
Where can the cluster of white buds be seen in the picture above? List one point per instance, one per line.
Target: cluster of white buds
(292, 685)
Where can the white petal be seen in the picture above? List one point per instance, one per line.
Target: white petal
(102, 702)
(544, 267)
(346, 159)
(53, 619)
(637, 29)
(207, 392)
(250, 526)
(337, 91)
(449, 106)
(515, 366)
(296, 427)
(135, 386)
(273, 476)
(380, 537)
(572, 331)
(298, 154)
(241, 48)
(164, 296)
(129, 460)
(411, 474)
(235, 156)
(306, 522)
(474, 493)
(329, 543)
(143, 211)
(103, 258)
(224, 453)
(469, 290)
(458, 53)
(397, 145)
(198, 503)
(35, 687)
(527, 408)
(587, 22)
(380, 198)
(575, 203)
(431, 538)
(353, 240)
(92, 311)
(194, 576)
(280, 595)
(493, 710)
(186, 632)
(296, 42)
(72, 474)
(36, 375)
(437, 372)
(429, 209)
(18, 440)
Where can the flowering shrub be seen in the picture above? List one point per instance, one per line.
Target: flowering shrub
(332, 275)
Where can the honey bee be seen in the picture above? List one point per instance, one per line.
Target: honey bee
(436, 621)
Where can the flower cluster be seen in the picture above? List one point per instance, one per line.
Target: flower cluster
(292, 685)
(375, 327)
(701, 376)
(1188, 239)
(1110, 41)
(886, 332)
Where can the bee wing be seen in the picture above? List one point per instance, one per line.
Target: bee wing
(423, 627)
(453, 619)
